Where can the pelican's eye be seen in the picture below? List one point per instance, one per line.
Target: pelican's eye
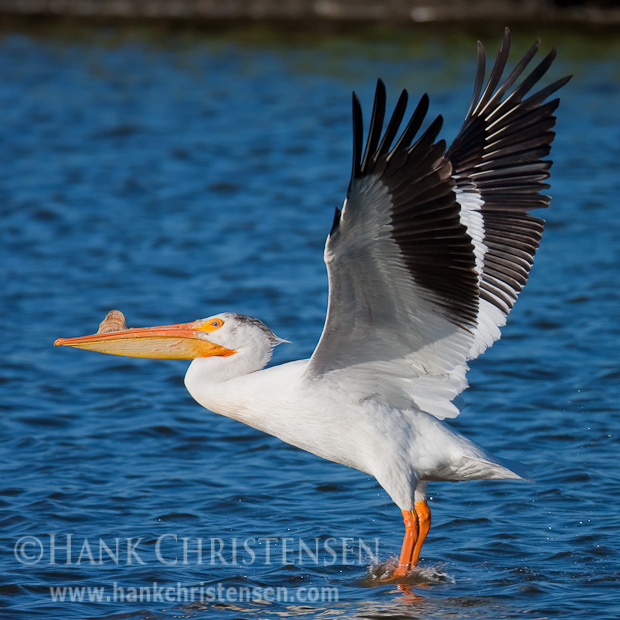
(211, 325)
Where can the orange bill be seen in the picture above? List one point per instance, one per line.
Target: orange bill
(184, 341)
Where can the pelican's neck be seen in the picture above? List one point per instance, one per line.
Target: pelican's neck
(217, 383)
(216, 369)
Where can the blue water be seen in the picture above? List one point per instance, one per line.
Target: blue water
(177, 175)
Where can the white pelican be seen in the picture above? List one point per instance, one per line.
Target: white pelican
(425, 261)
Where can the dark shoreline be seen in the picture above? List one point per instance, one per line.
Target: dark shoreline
(317, 13)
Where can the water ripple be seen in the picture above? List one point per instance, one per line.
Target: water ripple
(180, 175)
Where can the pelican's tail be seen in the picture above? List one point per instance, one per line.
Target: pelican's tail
(470, 461)
(496, 468)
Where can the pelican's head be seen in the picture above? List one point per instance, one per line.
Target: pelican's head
(223, 335)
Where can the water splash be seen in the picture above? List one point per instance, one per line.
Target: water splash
(382, 573)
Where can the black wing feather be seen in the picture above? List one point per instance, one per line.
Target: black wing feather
(498, 156)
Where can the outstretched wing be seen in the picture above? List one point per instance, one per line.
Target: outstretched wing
(432, 247)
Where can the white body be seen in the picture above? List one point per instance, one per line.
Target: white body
(400, 448)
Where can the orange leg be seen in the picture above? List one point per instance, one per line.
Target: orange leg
(424, 524)
(410, 518)
(417, 524)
